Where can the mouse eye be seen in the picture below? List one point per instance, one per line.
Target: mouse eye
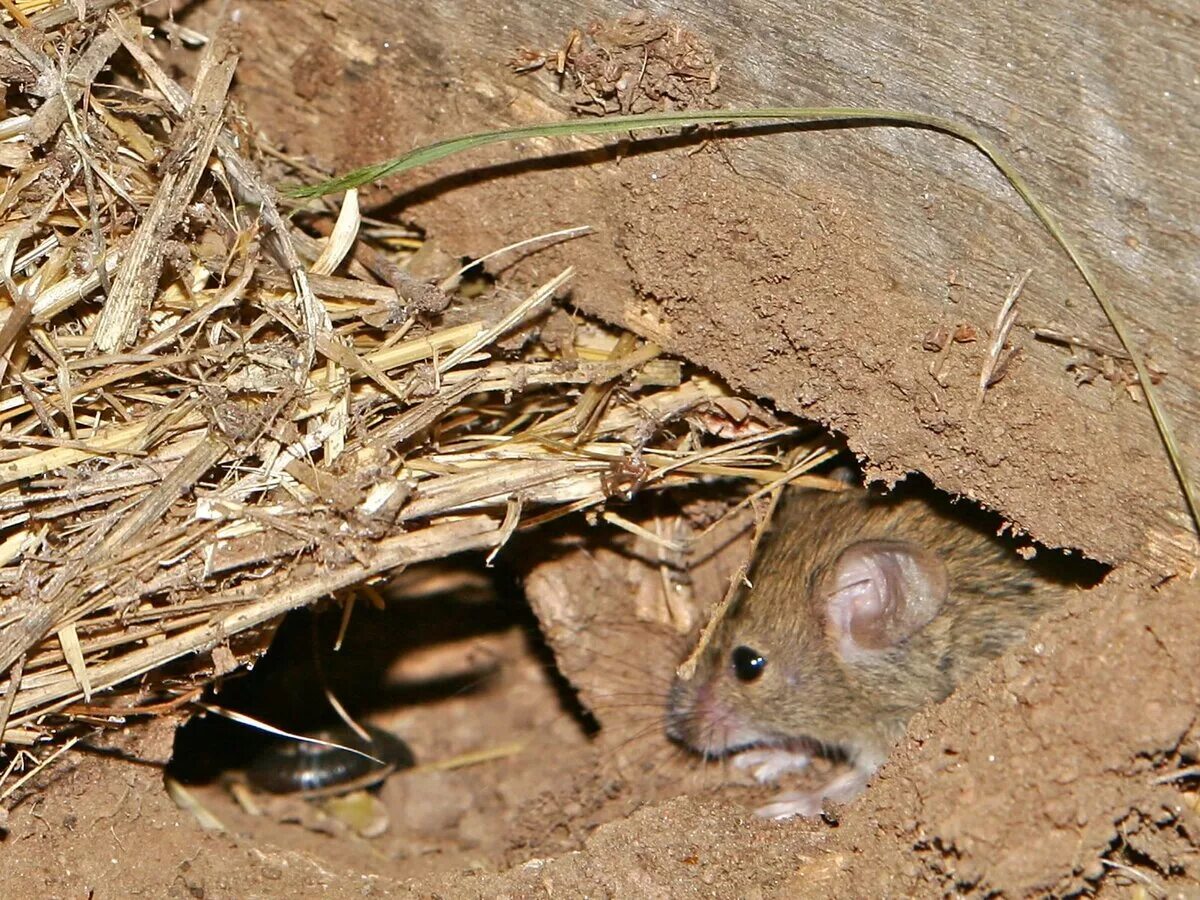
(748, 663)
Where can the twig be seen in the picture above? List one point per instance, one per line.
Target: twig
(47, 120)
(41, 765)
(1004, 323)
(192, 144)
(10, 694)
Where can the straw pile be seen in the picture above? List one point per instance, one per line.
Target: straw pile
(210, 416)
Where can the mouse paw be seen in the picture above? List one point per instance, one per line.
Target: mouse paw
(768, 763)
(842, 789)
(789, 805)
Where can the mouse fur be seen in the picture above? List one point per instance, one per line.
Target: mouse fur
(834, 679)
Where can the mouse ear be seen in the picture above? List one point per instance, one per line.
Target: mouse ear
(882, 592)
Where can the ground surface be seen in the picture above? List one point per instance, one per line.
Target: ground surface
(1063, 768)
(1050, 773)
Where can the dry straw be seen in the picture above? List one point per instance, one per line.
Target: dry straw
(209, 417)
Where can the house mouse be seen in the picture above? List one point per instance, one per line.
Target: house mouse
(863, 609)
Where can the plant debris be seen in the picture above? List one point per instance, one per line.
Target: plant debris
(214, 411)
(635, 64)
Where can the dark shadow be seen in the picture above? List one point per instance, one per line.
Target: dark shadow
(285, 688)
(1065, 567)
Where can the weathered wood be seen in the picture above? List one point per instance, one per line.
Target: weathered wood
(808, 267)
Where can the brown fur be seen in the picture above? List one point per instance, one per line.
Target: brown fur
(808, 692)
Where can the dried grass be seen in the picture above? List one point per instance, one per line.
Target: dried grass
(208, 417)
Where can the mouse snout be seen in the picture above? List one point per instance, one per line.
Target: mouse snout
(699, 719)
(695, 718)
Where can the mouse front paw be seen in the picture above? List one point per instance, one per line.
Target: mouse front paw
(841, 789)
(768, 763)
(806, 804)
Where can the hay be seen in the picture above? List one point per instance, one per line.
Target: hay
(210, 417)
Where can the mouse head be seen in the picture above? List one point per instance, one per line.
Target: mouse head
(820, 649)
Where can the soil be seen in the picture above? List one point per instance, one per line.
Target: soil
(810, 268)
(1067, 767)
(1063, 768)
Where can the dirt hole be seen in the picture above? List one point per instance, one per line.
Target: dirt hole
(434, 634)
(451, 658)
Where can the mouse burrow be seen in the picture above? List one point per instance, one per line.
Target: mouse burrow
(286, 688)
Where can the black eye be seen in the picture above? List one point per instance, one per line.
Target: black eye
(748, 663)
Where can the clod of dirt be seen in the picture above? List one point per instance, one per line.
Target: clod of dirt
(635, 64)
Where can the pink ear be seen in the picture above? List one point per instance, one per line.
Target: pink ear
(881, 592)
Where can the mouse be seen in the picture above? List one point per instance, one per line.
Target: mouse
(860, 609)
